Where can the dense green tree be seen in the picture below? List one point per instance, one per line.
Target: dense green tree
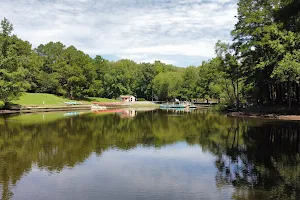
(262, 41)
(146, 74)
(14, 57)
(69, 71)
(167, 85)
(209, 79)
(288, 70)
(77, 72)
(229, 68)
(120, 78)
(96, 87)
(190, 87)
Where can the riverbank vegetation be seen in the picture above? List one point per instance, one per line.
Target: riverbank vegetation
(260, 67)
(49, 100)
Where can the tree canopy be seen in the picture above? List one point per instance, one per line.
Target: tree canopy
(260, 66)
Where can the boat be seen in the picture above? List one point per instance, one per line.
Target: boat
(98, 107)
(192, 106)
(169, 106)
(105, 105)
(177, 106)
(72, 103)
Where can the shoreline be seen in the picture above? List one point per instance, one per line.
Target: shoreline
(265, 116)
(44, 109)
(36, 109)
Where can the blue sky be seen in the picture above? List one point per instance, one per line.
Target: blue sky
(179, 32)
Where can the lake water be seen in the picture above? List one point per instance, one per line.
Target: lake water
(150, 154)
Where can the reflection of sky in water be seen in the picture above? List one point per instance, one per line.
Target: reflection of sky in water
(177, 171)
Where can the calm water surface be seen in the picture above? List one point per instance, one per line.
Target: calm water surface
(148, 155)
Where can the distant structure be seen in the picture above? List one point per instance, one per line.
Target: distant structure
(127, 98)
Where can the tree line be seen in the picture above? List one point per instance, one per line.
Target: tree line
(66, 71)
(260, 66)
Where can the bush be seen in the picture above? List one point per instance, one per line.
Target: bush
(1, 105)
(141, 99)
(221, 107)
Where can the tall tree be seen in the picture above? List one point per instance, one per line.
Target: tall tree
(229, 67)
(167, 85)
(288, 71)
(14, 57)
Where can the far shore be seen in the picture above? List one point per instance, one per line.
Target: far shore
(45, 109)
(265, 116)
(34, 109)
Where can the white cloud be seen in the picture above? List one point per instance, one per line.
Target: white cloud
(148, 29)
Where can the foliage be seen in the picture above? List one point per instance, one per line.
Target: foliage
(261, 66)
(265, 41)
(14, 56)
(141, 99)
(66, 71)
(167, 85)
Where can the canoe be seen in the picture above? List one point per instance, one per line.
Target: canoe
(173, 106)
(72, 103)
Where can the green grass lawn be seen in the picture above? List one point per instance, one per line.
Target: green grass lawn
(37, 99)
(96, 99)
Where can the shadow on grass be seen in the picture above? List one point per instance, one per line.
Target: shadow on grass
(10, 106)
(88, 99)
(98, 99)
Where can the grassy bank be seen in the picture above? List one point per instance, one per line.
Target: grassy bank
(42, 102)
(43, 99)
(39, 99)
(96, 99)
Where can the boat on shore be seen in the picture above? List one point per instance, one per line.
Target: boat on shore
(72, 103)
(106, 105)
(185, 105)
(98, 107)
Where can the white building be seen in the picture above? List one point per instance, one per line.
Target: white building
(127, 98)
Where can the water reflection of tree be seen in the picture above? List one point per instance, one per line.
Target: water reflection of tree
(268, 160)
(251, 157)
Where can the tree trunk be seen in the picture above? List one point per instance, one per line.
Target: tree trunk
(289, 94)
(261, 98)
(297, 93)
(237, 95)
(279, 94)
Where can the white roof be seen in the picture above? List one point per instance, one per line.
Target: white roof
(126, 96)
